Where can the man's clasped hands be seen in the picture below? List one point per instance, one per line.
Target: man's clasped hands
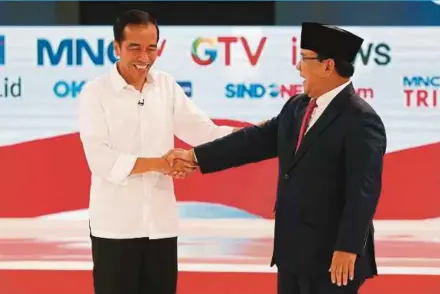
(181, 163)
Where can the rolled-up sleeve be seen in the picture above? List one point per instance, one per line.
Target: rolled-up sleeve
(103, 161)
(190, 123)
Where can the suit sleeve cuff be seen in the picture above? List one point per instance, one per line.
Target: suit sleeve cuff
(121, 169)
(353, 242)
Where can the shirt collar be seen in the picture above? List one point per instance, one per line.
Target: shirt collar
(118, 81)
(326, 98)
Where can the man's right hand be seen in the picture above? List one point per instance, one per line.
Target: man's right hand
(181, 163)
(177, 154)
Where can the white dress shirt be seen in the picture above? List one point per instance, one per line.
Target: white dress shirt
(324, 101)
(115, 130)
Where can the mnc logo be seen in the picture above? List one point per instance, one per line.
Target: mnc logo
(75, 52)
(421, 81)
(2, 50)
(187, 87)
(421, 91)
(78, 52)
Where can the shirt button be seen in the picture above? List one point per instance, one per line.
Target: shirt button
(286, 176)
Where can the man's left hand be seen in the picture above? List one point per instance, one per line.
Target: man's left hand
(342, 267)
(181, 169)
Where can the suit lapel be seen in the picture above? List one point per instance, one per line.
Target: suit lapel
(332, 111)
(297, 118)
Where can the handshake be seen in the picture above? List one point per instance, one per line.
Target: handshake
(181, 162)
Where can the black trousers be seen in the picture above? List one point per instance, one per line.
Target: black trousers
(289, 283)
(134, 266)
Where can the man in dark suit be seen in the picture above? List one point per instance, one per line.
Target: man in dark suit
(330, 144)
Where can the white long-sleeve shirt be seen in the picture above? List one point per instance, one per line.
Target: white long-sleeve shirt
(115, 130)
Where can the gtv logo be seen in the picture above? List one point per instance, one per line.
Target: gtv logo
(204, 51)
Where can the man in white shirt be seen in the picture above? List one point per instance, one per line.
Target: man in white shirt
(128, 119)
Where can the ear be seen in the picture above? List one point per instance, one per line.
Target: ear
(117, 48)
(329, 67)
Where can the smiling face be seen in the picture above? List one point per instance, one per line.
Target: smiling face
(316, 73)
(137, 52)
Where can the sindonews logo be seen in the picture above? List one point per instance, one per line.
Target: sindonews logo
(10, 87)
(421, 91)
(259, 91)
(71, 89)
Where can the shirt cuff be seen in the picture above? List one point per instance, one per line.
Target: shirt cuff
(225, 130)
(195, 156)
(122, 168)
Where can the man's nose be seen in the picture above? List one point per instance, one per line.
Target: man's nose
(144, 57)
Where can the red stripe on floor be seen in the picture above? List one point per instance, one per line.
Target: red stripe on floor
(80, 282)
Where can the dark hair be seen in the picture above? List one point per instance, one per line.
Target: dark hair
(343, 68)
(136, 17)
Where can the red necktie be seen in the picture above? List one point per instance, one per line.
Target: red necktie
(305, 121)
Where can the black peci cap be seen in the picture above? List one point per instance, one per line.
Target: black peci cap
(330, 41)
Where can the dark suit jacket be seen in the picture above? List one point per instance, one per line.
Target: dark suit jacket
(327, 192)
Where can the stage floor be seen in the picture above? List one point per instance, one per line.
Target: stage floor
(47, 256)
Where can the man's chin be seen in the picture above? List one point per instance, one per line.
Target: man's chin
(306, 91)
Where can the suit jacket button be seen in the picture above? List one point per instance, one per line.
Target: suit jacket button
(286, 176)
